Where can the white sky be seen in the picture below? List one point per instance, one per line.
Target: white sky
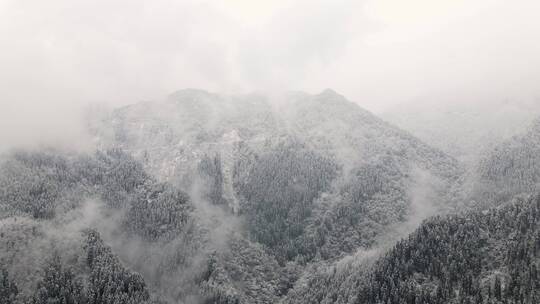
(56, 55)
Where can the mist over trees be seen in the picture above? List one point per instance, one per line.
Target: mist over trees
(475, 257)
(204, 152)
(205, 198)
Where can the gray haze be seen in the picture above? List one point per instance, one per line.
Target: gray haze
(59, 55)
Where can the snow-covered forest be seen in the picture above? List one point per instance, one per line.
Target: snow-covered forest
(205, 198)
(269, 152)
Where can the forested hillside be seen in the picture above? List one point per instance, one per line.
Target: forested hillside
(83, 271)
(48, 185)
(461, 127)
(48, 199)
(476, 257)
(51, 202)
(312, 175)
(511, 168)
(203, 198)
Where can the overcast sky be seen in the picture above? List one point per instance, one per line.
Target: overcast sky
(56, 55)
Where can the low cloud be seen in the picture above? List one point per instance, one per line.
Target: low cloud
(60, 55)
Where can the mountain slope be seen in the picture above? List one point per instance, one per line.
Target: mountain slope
(511, 168)
(52, 204)
(281, 162)
(261, 199)
(464, 128)
(476, 257)
(49, 199)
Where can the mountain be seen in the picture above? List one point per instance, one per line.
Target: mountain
(97, 228)
(490, 256)
(312, 175)
(203, 198)
(304, 178)
(511, 168)
(464, 128)
(293, 198)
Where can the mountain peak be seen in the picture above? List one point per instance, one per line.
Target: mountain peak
(329, 93)
(189, 93)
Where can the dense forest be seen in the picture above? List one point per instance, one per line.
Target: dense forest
(46, 192)
(97, 276)
(511, 168)
(475, 257)
(229, 199)
(318, 179)
(54, 204)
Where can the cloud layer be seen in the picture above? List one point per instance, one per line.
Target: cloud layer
(57, 55)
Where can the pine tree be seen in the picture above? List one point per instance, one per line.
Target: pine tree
(8, 289)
